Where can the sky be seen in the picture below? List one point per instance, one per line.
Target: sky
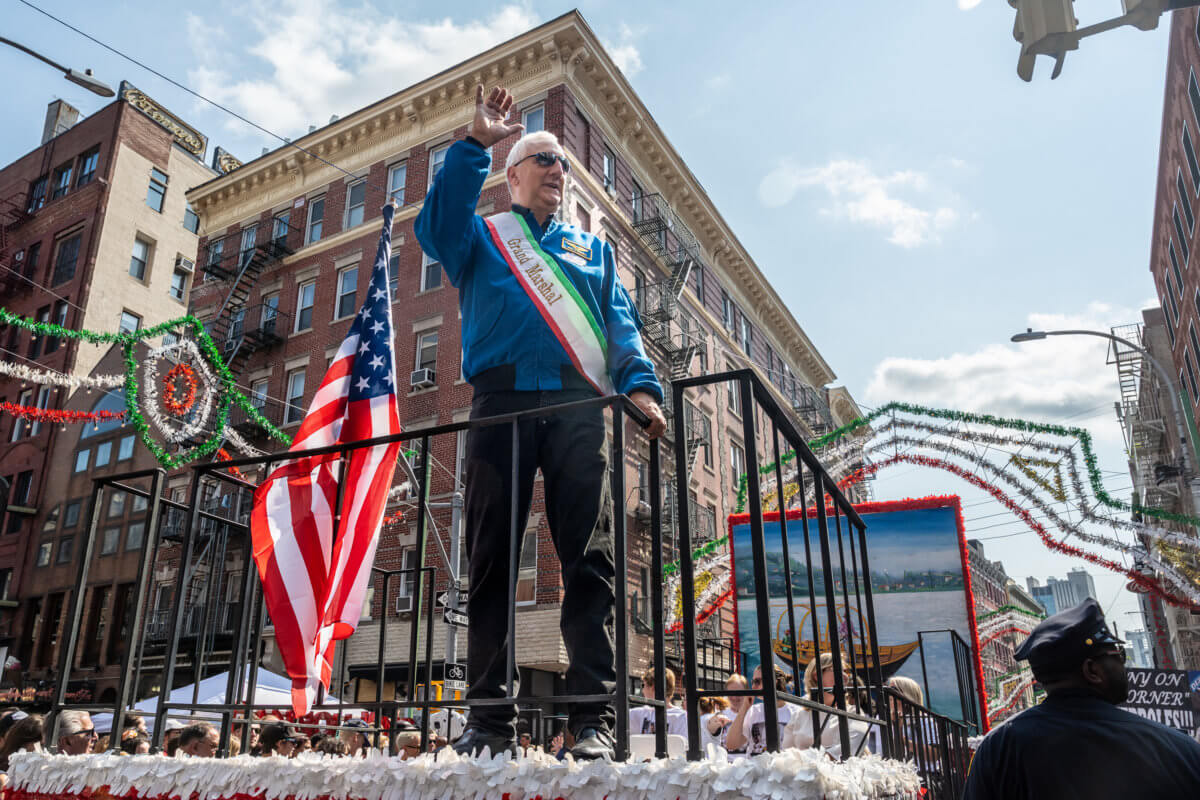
(910, 198)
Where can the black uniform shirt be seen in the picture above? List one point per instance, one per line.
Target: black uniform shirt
(1076, 745)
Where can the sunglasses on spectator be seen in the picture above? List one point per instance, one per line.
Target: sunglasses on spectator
(548, 159)
(88, 732)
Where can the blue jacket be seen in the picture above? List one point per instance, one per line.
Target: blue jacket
(502, 330)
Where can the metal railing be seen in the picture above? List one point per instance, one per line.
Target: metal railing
(836, 551)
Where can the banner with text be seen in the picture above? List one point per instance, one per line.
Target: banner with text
(1163, 695)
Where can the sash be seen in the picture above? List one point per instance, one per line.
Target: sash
(555, 298)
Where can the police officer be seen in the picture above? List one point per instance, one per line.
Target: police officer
(545, 321)
(1077, 743)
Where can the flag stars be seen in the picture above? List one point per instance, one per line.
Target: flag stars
(379, 294)
(365, 347)
(376, 326)
(362, 384)
(377, 362)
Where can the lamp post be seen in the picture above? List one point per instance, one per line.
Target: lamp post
(1189, 456)
(83, 79)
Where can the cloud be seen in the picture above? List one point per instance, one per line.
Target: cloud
(718, 82)
(624, 52)
(309, 59)
(967, 5)
(861, 195)
(1059, 379)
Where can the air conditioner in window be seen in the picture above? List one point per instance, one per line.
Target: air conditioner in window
(185, 264)
(422, 378)
(403, 603)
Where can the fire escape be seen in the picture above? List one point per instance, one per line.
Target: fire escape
(1155, 473)
(673, 340)
(14, 273)
(239, 330)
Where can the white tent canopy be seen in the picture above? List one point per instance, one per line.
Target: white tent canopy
(271, 690)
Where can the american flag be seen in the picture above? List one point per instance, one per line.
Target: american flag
(315, 566)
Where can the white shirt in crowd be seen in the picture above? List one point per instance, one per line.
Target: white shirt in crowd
(754, 726)
(707, 738)
(641, 720)
(798, 733)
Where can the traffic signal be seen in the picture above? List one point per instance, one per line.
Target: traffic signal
(1044, 26)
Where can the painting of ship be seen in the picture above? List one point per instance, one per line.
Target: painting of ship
(891, 656)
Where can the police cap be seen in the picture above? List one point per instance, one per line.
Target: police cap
(1060, 643)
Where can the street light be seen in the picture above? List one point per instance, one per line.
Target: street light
(1030, 335)
(83, 79)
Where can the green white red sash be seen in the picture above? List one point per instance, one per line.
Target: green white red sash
(554, 296)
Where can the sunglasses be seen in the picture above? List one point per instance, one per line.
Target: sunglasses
(548, 159)
(89, 732)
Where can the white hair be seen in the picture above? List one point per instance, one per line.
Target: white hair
(70, 722)
(530, 143)
(527, 145)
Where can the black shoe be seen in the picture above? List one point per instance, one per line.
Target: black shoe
(474, 740)
(593, 743)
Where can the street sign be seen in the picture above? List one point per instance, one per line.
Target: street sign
(455, 677)
(443, 599)
(455, 618)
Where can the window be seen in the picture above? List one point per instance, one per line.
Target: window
(37, 194)
(71, 514)
(258, 393)
(431, 273)
(734, 400)
(1174, 301)
(141, 256)
(527, 571)
(397, 180)
(583, 218)
(408, 561)
(191, 221)
(316, 219)
(20, 425)
(534, 119)
(156, 194)
(437, 157)
(179, 282)
(22, 490)
(135, 536)
(130, 322)
(81, 459)
(427, 351)
(1194, 94)
(585, 136)
(247, 244)
(737, 463)
(636, 198)
(1189, 153)
(103, 454)
(270, 312)
(394, 275)
(66, 550)
(726, 311)
(65, 259)
(747, 335)
(1175, 265)
(5, 581)
(356, 203)
(108, 541)
(699, 270)
(1191, 372)
(280, 225)
(87, 167)
(1183, 244)
(346, 293)
(1184, 201)
(125, 449)
(610, 169)
(116, 504)
(35, 339)
(295, 396)
(60, 319)
(43, 553)
(31, 259)
(304, 305)
(43, 401)
(61, 181)
(216, 251)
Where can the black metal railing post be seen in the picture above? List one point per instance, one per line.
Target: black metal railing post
(839, 684)
(657, 624)
(759, 555)
(687, 580)
(787, 561)
(620, 576)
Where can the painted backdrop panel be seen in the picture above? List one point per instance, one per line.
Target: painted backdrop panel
(917, 557)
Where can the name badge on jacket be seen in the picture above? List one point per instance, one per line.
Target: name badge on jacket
(576, 253)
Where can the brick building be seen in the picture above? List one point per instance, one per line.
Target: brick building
(95, 233)
(287, 243)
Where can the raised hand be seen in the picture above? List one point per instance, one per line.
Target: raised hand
(489, 125)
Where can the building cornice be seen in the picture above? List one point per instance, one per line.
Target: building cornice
(564, 50)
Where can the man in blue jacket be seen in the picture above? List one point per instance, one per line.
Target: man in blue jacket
(545, 321)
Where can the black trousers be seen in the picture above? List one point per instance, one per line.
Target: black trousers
(570, 449)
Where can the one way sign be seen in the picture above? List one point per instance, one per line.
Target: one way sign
(455, 618)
